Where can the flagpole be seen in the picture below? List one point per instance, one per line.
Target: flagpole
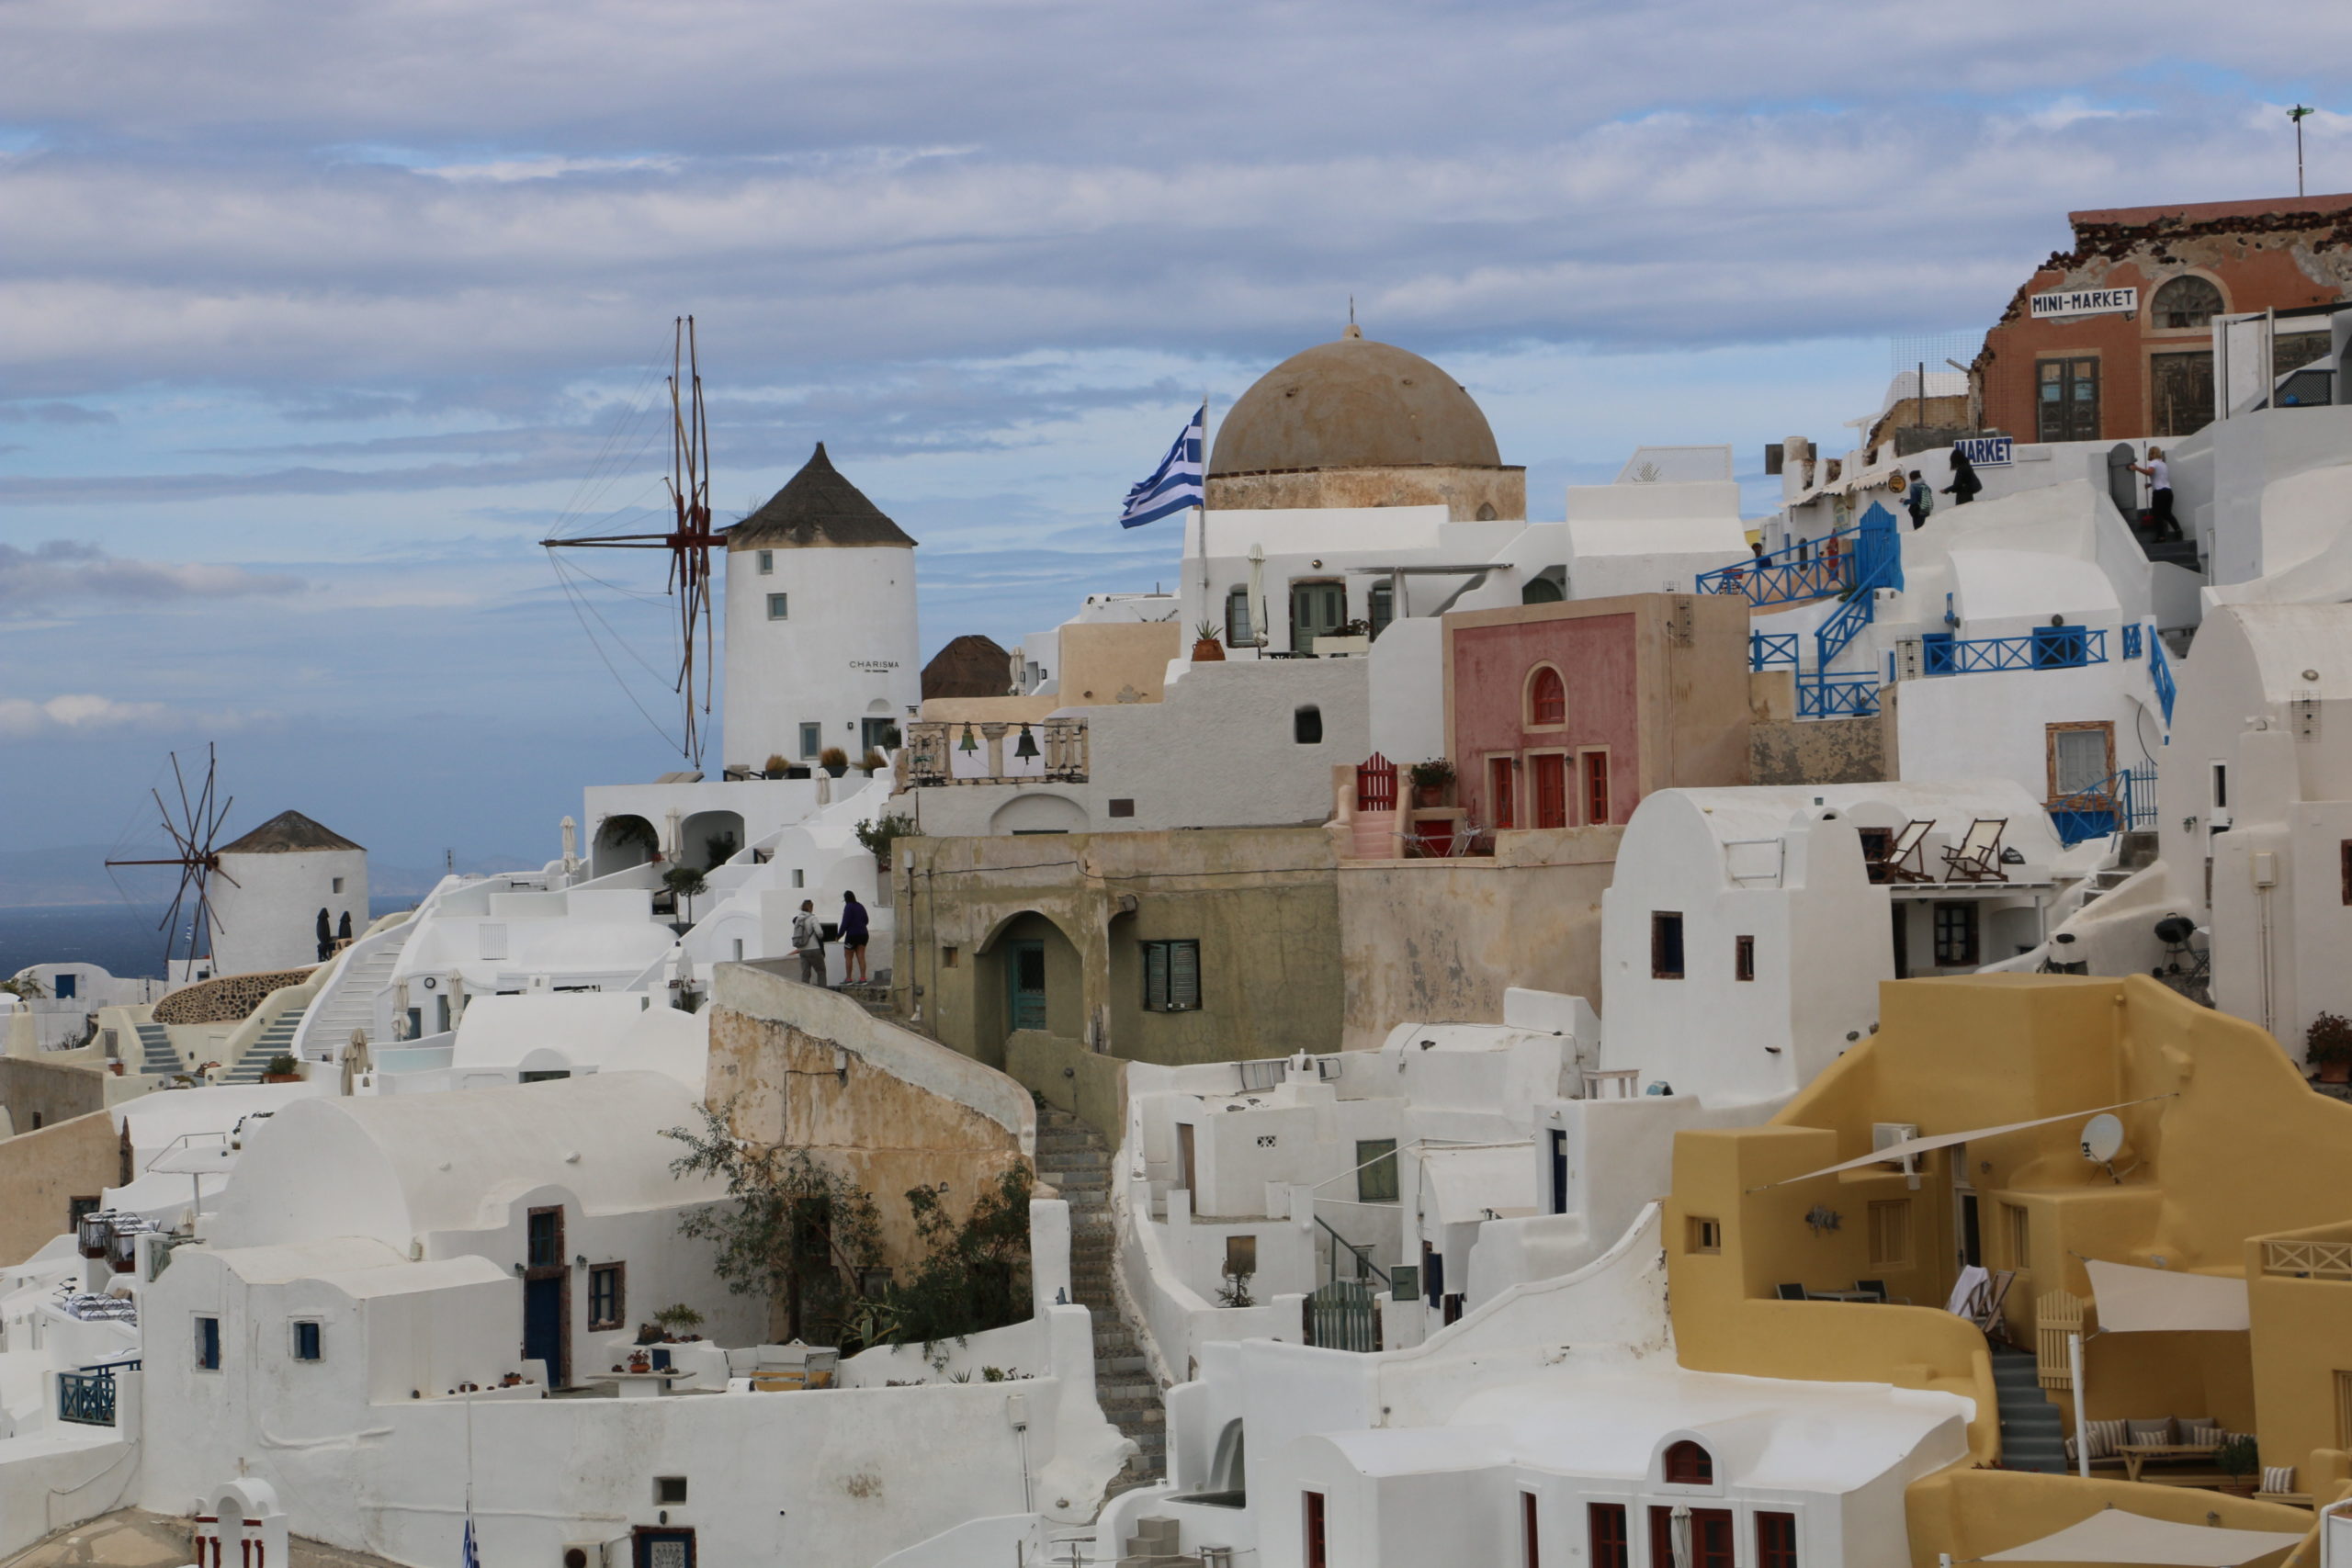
(472, 1555)
(1207, 613)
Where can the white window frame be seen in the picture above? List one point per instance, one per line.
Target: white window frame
(780, 607)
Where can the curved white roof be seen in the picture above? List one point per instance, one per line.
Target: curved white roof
(1766, 811)
(399, 1166)
(2287, 639)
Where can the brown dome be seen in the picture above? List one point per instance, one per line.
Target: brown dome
(1354, 404)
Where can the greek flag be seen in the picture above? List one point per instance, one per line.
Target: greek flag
(1175, 486)
(472, 1559)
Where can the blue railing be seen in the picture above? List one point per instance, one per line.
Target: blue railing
(87, 1397)
(1791, 575)
(2124, 799)
(2160, 672)
(1766, 648)
(2047, 648)
(1878, 563)
(2132, 641)
(1836, 696)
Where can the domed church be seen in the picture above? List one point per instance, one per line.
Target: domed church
(1356, 422)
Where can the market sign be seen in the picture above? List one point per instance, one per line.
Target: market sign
(1987, 451)
(2085, 302)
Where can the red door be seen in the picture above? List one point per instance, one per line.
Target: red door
(1315, 1554)
(1550, 790)
(1499, 802)
(1596, 787)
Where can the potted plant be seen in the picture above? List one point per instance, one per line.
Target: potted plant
(1207, 647)
(2327, 1045)
(776, 766)
(871, 761)
(2239, 1457)
(1349, 638)
(1431, 780)
(677, 1320)
(282, 1068)
(834, 760)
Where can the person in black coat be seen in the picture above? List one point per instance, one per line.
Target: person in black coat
(1964, 482)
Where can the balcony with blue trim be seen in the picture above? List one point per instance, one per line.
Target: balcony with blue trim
(2045, 648)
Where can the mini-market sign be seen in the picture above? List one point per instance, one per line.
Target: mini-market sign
(2083, 302)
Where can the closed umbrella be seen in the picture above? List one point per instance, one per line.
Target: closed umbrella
(1679, 1529)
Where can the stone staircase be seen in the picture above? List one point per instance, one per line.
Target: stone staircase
(349, 1001)
(2032, 1438)
(1076, 1161)
(156, 1057)
(275, 1039)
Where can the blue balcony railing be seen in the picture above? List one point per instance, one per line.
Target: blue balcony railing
(2048, 647)
(1768, 648)
(2124, 799)
(1836, 696)
(2132, 633)
(87, 1397)
(1792, 575)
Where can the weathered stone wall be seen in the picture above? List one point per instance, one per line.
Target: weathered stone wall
(1430, 940)
(809, 1070)
(40, 1172)
(1068, 1076)
(1261, 902)
(1469, 495)
(52, 1091)
(1782, 750)
(227, 999)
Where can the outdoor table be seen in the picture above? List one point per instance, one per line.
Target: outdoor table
(1845, 1295)
(2137, 1454)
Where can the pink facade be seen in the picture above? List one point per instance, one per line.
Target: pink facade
(1527, 754)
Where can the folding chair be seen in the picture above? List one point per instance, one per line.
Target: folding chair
(1896, 865)
(1977, 857)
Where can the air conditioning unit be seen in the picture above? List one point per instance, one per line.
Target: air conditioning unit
(1886, 1135)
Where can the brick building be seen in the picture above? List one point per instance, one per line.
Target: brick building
(2112, 339)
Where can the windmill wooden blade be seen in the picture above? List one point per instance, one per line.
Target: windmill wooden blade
(194, 832)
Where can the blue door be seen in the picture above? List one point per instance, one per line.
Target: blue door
(1026, 970)
(543, 1327)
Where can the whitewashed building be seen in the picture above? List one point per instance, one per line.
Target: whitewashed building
(283, 894)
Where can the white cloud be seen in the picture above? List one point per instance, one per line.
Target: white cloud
(87, 713)
(65, 571)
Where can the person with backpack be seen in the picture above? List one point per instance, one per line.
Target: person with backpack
(1918, 500)
(808, 943)
(853, 930)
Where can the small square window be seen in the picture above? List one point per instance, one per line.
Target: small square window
(1123, 807)
(208, 1344)
(543, 1238)
(948, 958)
(1743, 960)
(338, 884)
(767, 563)
(606, 1295)
(1956, 936)
(66, 985)
(778, 607)
(1171, 976)
(1376, 1170)
(1704, 1236)
(1240, 1254)
(669, 1491)
(306, 1341)
(812, 741)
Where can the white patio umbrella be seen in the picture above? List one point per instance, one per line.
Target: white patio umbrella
(1678, 1528)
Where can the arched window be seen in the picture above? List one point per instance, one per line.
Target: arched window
(1486, 512)
(2186, 301)
(1687, 1464)
(1306, 725)
(1547, 697)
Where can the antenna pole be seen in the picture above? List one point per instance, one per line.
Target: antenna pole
(2298, 114)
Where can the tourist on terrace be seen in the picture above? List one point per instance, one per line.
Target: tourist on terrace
(854, 921)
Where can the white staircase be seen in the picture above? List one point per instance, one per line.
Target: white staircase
(348, 1001)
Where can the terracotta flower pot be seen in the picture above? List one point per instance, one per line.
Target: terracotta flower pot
(1208, 650)
(2338, 1071)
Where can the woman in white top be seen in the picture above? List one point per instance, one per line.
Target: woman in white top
(2159, 474)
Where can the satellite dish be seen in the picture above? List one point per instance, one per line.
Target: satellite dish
(2102, 1138)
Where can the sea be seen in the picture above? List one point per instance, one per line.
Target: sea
(119, 939)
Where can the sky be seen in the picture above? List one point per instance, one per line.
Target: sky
(314, 319)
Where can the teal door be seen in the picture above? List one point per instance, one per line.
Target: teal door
(1026, 970)
(1317, 609)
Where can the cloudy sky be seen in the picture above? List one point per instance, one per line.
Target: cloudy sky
(314, 318)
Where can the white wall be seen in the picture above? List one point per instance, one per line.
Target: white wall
(267, 907)
(848, 650)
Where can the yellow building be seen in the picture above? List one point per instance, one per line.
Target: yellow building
(2231, 1169)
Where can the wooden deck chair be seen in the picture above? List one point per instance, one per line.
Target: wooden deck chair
(1977, 856)
(1903, 860)
(1985, 1306)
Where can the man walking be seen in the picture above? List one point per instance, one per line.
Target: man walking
(853, 925)
(1919, 500)
(808, 943)
(2159, 474)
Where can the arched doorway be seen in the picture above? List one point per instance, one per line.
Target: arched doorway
(709, 838)
(1029, 979)
(621, 842)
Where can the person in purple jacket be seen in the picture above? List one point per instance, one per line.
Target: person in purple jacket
(852, 939)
